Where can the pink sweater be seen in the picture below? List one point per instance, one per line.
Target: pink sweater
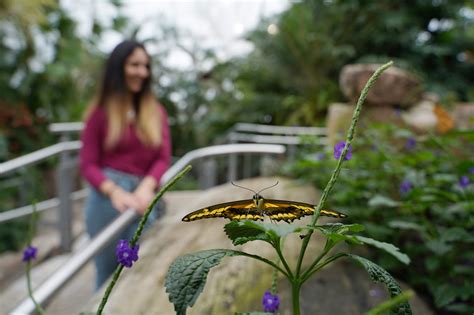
(129, 155)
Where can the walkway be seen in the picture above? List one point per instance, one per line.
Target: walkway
(13, 282)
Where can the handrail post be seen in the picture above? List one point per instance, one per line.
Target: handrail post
(64, 189)
(233, 160)
(207, 173)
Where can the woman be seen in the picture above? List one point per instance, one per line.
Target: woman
(126, 146)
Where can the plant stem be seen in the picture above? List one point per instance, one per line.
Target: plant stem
(160, 193)
(138, 232)
(269, 262)
(316, 268)
(323, 253)
(31, 233)
(38, 307)
(295, 297)
(283, 260)
(337, 170)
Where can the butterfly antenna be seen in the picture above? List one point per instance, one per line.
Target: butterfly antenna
(268, 187)
(243, 187)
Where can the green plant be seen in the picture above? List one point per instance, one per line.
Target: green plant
(415, 191)
(187, 275)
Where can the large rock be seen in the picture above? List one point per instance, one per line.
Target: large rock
(394, 87)
(339, 118)
(238, 283)
(338, 121)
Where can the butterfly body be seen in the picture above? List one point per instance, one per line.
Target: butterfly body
(257, 208)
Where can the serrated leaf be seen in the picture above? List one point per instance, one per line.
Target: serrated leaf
(389, 248)
(339, 228)
(241, 232)
(187, 276)
(336, 238)
(336, 232)
(378, 201)
(378, 274)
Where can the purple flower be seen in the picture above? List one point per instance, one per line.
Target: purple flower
(338, 150)
(321, 156)
(405, 187)
(270, 302)
(471, 170)
(464, 181)
(126, 255)
(29, 253)
(410, 144)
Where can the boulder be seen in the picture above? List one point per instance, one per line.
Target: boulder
(339, 119)
(238, 283)
(394, 87)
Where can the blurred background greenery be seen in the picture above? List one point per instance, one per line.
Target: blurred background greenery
(290, 77)
(48, 73)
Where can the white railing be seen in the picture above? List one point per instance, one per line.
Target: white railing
(44, 292)
(265, 140)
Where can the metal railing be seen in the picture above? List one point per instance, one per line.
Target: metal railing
(241, 132)
(291, 136)
(45, 291)
(270, 135)
(64, 186)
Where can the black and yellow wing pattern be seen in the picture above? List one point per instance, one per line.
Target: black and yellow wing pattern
(257, 208)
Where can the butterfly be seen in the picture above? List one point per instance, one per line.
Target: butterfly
(257, 208)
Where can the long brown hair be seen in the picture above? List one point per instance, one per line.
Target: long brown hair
(113, 95)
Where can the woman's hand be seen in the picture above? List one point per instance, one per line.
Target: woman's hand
(123, 200)
(145, 193)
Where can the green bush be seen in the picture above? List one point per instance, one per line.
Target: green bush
(417, 192)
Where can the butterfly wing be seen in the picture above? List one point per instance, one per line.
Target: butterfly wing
(234, 210)
(288, 211)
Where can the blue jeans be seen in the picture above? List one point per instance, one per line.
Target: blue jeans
(99, 213)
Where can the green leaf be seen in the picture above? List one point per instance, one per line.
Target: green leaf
(461, 308)
(379, 201)
(378, 274)
(187, 276)
(339, 228)
(336, 232)
(241, 232)
(444, 295)
(455, 234)
(389, 248)
(405, 225)
(439, 247)
(387, 305)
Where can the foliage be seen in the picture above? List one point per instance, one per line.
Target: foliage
(46, 73)
(291, 76)
(431, 218)
(187, 275)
